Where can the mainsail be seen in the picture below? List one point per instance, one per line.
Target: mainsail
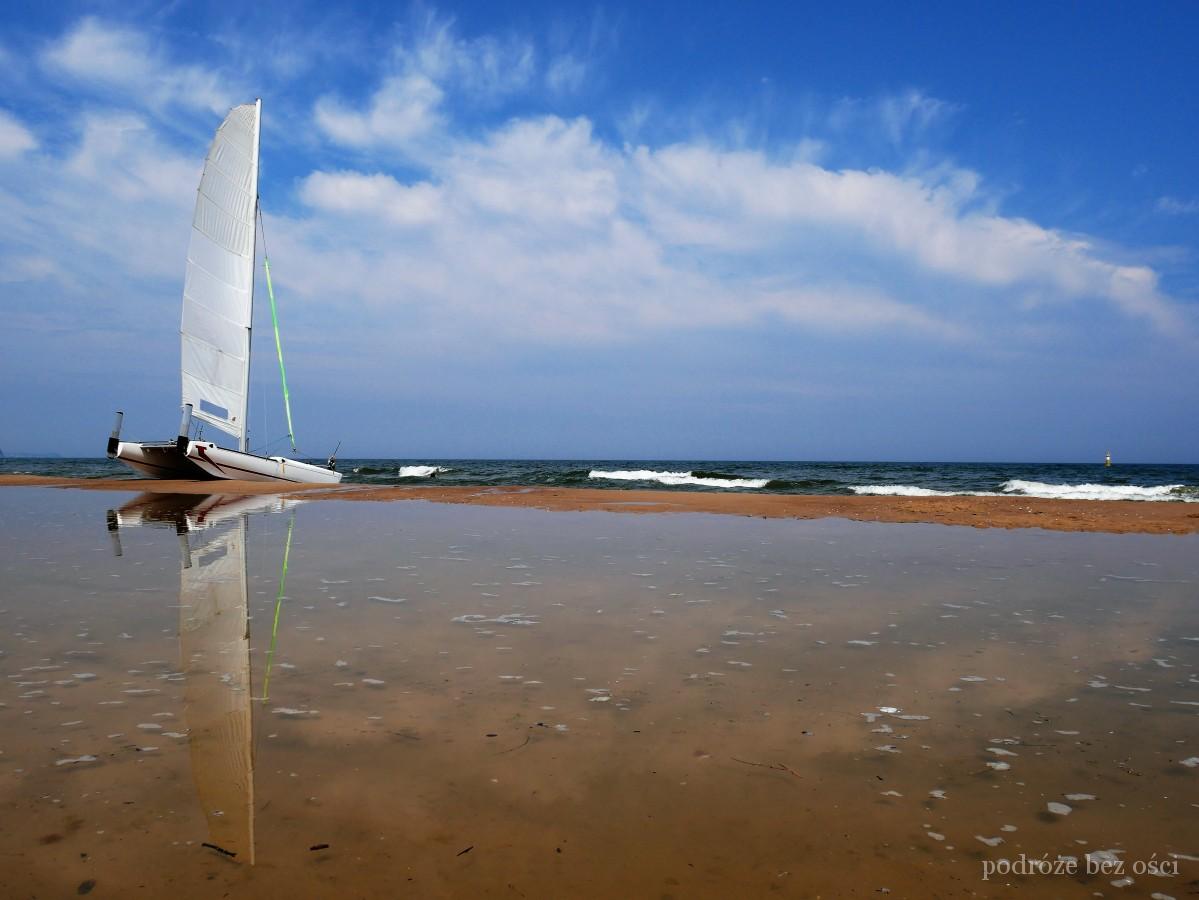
(219, 286)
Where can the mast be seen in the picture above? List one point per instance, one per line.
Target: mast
(244, 442)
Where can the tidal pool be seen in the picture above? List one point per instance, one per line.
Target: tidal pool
(204, 696)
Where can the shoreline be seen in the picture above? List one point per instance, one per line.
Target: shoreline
(1102, 516)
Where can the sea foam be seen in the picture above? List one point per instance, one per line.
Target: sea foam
(679, 478)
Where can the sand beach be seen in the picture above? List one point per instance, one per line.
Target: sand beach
(1108, 516)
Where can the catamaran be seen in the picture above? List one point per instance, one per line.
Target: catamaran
(218, 304)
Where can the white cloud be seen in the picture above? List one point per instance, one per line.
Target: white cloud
(1175, 207)
(404, 110)
(97, 55)
(121, 153)
(731, 201)
(378, 195)
(408, 106)
(15, 138)
(115, 209)
(547, 171)
(538, 231)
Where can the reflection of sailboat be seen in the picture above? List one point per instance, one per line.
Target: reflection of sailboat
(214, 650)
(188, 513)
(193, 512)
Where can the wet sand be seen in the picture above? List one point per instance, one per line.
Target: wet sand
(469, 701)
(1107, 516)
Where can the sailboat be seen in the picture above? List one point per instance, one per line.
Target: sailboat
(218, 303)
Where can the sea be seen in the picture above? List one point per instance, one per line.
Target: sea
(1067, 481)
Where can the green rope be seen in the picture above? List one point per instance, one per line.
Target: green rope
(270, 655)
(291, 433)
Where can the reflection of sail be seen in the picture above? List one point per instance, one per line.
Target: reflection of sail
(215, 655)
(214, 646)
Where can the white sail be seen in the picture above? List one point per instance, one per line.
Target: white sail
(219, 285)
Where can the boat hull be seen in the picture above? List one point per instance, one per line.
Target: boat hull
(158, 459)
(220, 462)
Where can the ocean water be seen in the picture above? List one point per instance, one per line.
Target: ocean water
(1083, 481)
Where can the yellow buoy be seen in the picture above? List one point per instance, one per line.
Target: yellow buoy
(1108, 459)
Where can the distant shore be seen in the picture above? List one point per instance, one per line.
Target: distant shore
(1108, 516)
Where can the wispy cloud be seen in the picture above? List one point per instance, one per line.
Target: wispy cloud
(1175, 207)
(428, 65)
(403, 111)
(100, 57)
(15, 138)
(115, 210)
(901, 118)
(911, 113)
(565, 74)
(122, 153)
(487, 66)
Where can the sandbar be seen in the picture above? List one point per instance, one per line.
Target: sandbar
(1108, 516)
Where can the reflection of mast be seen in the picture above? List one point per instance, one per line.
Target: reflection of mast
(215, 655)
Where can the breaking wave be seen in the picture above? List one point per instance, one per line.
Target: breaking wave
(421, 471)
(675, 479)
(908, 490)
(1016, 487)
(1099, 491)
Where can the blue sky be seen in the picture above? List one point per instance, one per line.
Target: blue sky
(949, 231)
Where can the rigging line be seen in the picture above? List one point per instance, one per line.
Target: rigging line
(269, 444)
(266, 264)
